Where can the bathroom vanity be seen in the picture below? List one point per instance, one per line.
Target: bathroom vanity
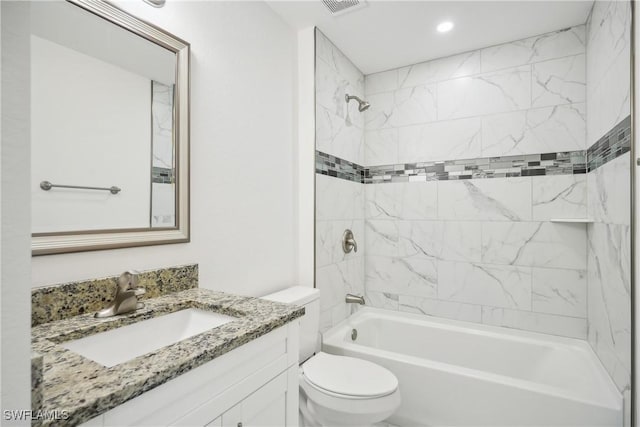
(241, 372)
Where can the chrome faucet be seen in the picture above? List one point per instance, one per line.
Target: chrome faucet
(126, 299)
(354, 299)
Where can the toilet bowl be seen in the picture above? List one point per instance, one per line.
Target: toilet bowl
(336, 390)
(341, 390)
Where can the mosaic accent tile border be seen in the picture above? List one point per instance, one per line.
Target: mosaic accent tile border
(66, 300)
(162, 175)
(565, 163)
(326, 164)
(612, 145)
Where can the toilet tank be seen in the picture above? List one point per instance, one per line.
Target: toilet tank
(310, 322)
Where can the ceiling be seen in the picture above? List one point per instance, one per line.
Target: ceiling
(392, 33)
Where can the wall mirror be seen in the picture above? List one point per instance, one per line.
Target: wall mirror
(109, 130)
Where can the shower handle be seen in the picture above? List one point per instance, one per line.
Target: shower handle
(349, 242)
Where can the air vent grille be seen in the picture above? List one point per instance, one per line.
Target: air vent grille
(341, 6)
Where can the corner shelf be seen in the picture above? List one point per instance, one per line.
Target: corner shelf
(572, 220)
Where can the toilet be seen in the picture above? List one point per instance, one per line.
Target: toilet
(336, 390)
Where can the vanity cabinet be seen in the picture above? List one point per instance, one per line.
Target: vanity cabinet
(264, 407)
(255, 384)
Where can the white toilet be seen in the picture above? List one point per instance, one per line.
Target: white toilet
(336, 390)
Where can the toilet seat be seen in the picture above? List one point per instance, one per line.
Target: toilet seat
(336, 401)
(348, 377)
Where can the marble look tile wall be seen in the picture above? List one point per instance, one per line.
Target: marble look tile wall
(608, 257)
(339, 206)
(339, 202)
(481, 250)
(524, 97)
(339, 126)
(608, 66)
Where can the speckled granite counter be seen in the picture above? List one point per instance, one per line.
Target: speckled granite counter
(86, 389)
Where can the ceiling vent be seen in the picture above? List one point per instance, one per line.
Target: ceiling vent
(338, 7)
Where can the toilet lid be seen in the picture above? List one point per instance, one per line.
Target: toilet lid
(349, 376)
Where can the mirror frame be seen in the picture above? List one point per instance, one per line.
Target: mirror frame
(91, 240)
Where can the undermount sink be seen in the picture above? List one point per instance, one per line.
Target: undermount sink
(122, 344)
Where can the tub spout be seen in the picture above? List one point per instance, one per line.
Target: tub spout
(354, 299)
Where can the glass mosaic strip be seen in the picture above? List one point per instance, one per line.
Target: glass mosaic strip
(613, 144)
(326, 164)
(162, 175)
(565, 163)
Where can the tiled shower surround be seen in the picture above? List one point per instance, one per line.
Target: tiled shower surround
(481, 250)
(608, 243)
(466, 165)
(339, 203)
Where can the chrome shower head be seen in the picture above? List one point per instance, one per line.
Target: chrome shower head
(362, 105)
(156, 3)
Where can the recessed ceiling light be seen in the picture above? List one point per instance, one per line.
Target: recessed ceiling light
(445, 26)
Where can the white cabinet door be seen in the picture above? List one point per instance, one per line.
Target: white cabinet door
(266, 407)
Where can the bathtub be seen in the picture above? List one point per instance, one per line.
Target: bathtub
(455, 373)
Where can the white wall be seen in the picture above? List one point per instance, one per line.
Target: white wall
(242, 163)
(305, 151)
(90, 126)
(15, 227)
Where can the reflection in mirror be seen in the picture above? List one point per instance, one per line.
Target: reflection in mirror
(162, 188)
(109, 129)
(102, 116)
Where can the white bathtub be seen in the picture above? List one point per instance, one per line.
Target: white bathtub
(455, 373)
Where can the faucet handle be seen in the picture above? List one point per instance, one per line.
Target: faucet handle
(349, 242)
(128, 280)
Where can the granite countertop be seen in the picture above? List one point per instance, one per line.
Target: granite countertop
(85, 389)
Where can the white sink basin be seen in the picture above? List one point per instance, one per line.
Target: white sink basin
(120, 345)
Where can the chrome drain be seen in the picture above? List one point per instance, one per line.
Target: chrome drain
(354, 334)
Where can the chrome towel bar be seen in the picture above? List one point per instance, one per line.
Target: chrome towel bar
(46, 186)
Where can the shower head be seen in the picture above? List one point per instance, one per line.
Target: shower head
(156, 3)
(362, 105)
